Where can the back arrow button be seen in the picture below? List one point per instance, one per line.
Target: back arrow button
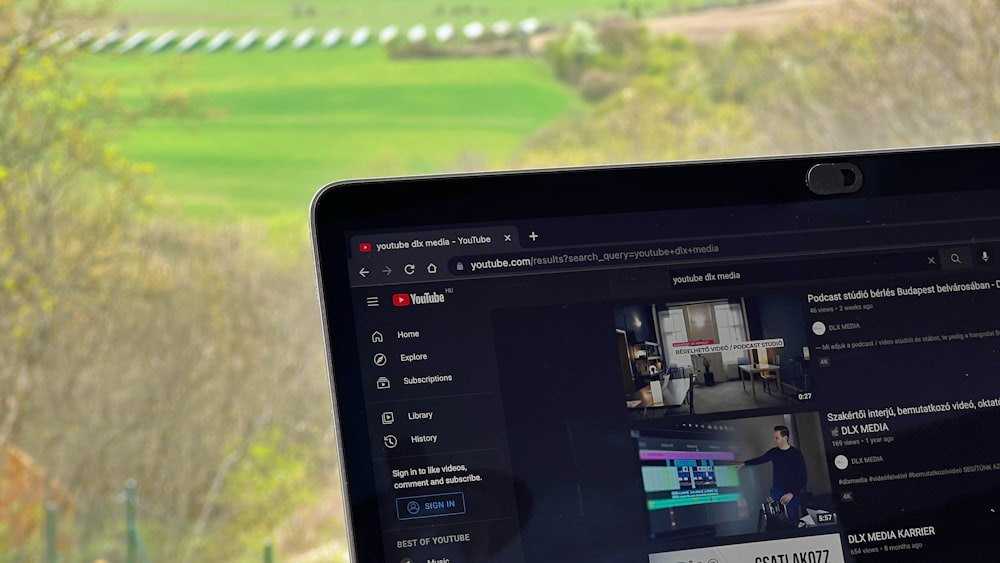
(364, 273)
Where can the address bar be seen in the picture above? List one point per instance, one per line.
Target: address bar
(608, 256)
(762, 246)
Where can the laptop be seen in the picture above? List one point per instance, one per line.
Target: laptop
(768, 360)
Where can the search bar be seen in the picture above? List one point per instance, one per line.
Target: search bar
(840, 267)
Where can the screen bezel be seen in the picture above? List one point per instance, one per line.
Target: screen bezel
(414, 203)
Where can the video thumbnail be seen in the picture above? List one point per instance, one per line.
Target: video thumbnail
(761, 475)
(702, 357)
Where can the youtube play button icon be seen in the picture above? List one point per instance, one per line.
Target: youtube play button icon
(401, 299)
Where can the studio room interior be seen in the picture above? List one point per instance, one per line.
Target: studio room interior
(660, 379)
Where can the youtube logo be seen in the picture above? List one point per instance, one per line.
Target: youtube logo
(425, 298)
(365, 247)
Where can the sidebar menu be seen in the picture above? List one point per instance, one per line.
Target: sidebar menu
(436, 424)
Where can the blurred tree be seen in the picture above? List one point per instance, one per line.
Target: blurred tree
(664, 111)
(205, 352)
(906, 73)
(134, 347)
(212, 350)
(65, 198)
(572, 53)
(913, 72)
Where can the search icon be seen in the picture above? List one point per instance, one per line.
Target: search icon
(956, 258)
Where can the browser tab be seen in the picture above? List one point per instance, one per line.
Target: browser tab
(486, 238)
(422, 256)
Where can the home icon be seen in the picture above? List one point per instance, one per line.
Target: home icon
(377, 336)
(432, 268)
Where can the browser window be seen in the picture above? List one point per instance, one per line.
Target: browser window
(709, 385)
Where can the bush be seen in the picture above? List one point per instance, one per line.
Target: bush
(487, 46)
(596, 84)
(573, 53)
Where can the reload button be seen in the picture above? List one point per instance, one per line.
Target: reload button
(430, 506)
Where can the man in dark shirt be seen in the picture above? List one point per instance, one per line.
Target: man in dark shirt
(789, 471)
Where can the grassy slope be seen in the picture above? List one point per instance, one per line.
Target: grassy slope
(276, 126)
(353, 13)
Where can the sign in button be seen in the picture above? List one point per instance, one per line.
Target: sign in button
(430, 506)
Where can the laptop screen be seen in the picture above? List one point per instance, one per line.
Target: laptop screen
(763, 375)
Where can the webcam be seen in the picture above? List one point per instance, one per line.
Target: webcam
(834, 178)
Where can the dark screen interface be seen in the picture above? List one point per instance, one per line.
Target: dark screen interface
(805, 383)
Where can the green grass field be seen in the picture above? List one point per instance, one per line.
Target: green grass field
(350, 14)
(268, 129)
